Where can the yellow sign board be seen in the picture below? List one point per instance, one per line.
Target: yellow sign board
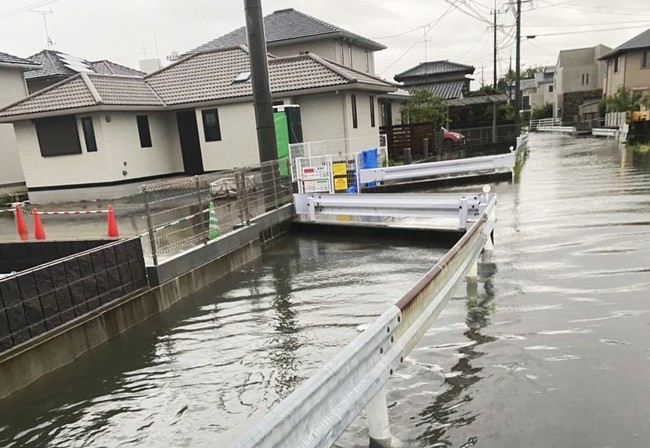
(340, 183)
(339, 169)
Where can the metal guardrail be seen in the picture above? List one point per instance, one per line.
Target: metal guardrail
(319, 411)
(447, 205)
(558, 129)
(501, 162)
(605, 132)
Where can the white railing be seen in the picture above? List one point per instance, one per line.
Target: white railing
(319, 411)
(614, 119)
(544, 122)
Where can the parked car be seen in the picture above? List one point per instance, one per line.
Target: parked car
(451, 138)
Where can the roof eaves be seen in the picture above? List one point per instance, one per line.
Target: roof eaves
(39, 93)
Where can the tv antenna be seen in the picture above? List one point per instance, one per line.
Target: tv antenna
(46, 14)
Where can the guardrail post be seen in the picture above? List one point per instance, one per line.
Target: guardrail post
(407, 156)
(462, 213)
(152, 236)
(425, 148)
(311, 207)
(378, 423)
(202, 220)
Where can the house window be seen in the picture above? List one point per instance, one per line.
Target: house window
(355, 124)
(350, 55)
(586, 78)
(550, 89)
(526, 103)
(616, 64)
(645, 59)
(58, 136)
(211, 128)
(89, 134)
(143, 131)
(342, 49)
(372, 111)
(367, 61)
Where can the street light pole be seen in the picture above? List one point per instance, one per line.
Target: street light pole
(518, 71)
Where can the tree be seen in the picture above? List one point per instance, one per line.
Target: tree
(625, 100)
(546, 111)
(530, 72)
(424, 107)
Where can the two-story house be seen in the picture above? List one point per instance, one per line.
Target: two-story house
(628, 65)
(544, 93)
(290, 32)
(444, 79)
(578, 77)
(13, 89)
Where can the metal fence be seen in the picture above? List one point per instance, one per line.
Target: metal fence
(184, 213)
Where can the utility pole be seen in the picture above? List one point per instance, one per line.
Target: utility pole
(495, 43)
(518, 71)
(260, 80)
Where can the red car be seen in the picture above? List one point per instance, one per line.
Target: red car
(451, 138)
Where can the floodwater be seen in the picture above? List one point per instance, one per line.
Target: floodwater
(550, 349)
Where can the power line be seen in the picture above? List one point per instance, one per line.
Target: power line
(587, 31)
(432, 24)
(26, 8)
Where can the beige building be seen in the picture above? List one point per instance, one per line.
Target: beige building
(12, 88)
(577, 71)
(544, 92)
(290, 32)
(628, 65)
(193, 116)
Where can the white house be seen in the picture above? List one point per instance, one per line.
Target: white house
(193, 116)
(12, 88)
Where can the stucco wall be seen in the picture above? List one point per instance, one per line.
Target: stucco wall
(636, 77)
(12, 88)
(364, 136)
(117, 143)
(324, 49)
(322, 117)
(238, 144)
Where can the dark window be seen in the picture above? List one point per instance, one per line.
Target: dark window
(89, 134)
(143, 130)
(372, 111)
(645, 59)
(211, 128)
(586, 78)
(526, 103)
(550, 89)
(58, 136)
(616, 64)
(354, 111)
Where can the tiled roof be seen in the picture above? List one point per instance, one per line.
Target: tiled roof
(434, 68)
(209, 76)
(53, 64)
(637, 42)
(111, 68)
(288, 24)
(6, 58)
(86, 90)
(205, 76)
(448, 90)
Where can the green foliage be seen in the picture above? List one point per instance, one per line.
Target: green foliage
(530, 72)
(625, 100)
(424, 107)
(546, 111)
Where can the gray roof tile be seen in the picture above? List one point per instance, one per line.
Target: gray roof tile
(284, 25)
(637, 42)
(53, 66)
(446, 90)
(425, 69)
(6, 58)
(115, 90)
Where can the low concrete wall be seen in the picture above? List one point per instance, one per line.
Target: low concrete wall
(26, 363)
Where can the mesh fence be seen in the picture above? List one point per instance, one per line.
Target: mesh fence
(184, 213)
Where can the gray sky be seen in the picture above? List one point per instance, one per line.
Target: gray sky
(118, 29)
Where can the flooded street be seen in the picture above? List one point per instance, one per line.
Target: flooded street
(550, 349)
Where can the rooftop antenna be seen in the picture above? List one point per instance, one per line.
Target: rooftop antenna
(155, 41)
(426, 30)
(144, 51)
(45, 14)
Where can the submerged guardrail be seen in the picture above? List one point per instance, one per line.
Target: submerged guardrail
(319, 411)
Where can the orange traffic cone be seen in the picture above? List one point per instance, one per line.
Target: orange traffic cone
(39, 232)
(112, 225)
(21, 227)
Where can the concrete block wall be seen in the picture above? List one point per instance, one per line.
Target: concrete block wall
(43, 298)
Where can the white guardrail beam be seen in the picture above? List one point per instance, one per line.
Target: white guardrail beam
(449, 205)
(319, 410)
(501, 162)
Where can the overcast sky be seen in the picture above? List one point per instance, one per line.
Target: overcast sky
(119, 29)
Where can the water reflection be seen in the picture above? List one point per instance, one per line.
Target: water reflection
(447, 410)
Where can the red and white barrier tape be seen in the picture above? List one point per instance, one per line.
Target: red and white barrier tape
(75, 212)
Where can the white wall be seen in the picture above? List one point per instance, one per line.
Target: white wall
(364, 136)
(322, 48)
(238, 144)
(118, 143)
(12, 88)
